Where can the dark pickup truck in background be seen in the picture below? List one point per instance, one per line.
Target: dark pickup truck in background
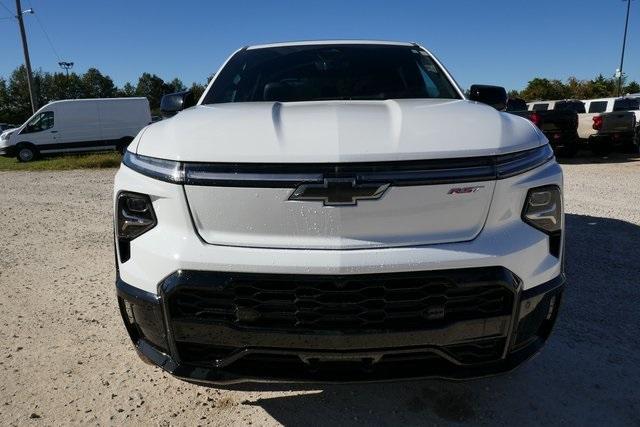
(560, 125)
(613, 130)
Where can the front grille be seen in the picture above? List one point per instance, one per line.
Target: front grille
(358, 303)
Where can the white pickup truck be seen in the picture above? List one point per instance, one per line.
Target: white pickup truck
(338, 211)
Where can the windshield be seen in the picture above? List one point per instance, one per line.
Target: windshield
(516, 104)
(330, 72)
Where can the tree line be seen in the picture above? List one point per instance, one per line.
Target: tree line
(548, 89)
(15, 105)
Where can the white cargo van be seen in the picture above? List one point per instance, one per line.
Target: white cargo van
(77, 125)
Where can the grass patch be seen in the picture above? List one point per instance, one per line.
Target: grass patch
(59, 163)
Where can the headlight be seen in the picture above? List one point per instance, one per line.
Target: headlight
(165, 170)
(509, 165)
(543, 208)
(134, 216)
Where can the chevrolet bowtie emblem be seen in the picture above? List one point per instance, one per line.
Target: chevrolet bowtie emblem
(339, 192)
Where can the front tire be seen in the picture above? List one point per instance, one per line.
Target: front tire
(26, 153)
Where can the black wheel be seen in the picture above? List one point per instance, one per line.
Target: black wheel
(26, 153)
(601, 148)
(569, 150)
(633, 146)
(630, 147)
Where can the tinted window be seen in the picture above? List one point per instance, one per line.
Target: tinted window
(626, 104)
(598, 107)
(516, 104)
(540, 107)
(42, 121)
(575, 106)
(329, 72)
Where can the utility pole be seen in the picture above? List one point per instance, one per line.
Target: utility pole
(624, 43)
(27, 61)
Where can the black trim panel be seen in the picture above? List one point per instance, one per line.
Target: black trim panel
(78, 144)
(291, 175)
(399, 173)
(127, 291)
(545, 288)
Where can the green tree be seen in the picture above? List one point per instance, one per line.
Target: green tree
(632, 87)
(19, 103)
(4, 100)
(176, 85)
(152, 87)
(539, 89)
(97, 85)
(602, 87)
(127, 90)
(197, 90)
(513, 94)
(60, 86)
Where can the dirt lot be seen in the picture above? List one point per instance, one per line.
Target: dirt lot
(65, 357)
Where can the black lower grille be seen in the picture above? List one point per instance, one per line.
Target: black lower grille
(468, 353)
(233, 358)
(380, 302)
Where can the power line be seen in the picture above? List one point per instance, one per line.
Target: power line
(7, 9)
(55, 52)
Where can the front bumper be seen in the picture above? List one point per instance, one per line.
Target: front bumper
(613, 139)
(224, 347)
(9, 151)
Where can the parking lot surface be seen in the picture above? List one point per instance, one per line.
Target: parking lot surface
(65, 356)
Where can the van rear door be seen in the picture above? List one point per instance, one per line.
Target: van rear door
(123, 118)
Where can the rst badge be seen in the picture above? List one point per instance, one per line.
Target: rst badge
(465, 190)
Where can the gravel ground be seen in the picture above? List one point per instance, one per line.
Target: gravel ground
(65, 357)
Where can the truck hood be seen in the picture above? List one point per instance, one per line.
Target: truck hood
(337, 131)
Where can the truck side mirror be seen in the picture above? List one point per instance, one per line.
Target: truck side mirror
(496, 96)
(172, 103)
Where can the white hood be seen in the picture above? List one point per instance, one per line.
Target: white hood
(337, 131)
